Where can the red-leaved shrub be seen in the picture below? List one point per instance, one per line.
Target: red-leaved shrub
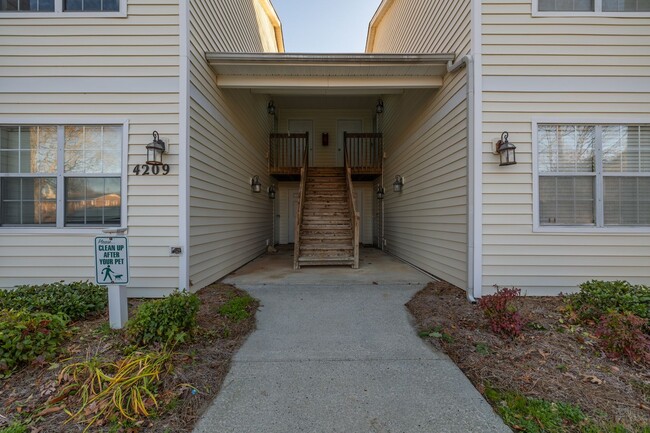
(500, 312)
(622, 335)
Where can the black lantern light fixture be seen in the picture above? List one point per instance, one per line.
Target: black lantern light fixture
(270, 108)
(380, 106)
(380, 192)
(155, 150)
(506, 151)
(271, 192)
(256, 185)
(398, 184)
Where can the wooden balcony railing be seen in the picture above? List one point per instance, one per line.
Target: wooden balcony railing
(365, 152)
(287, 153)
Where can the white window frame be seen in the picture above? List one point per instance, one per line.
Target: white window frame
(597, 12)
(60, 13)
(61, 228)
(537, 227)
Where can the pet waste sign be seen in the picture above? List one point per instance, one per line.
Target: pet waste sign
(111, 260)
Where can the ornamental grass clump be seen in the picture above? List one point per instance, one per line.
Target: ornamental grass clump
(77, 300)
(501, 313)
(168, 320)
(25, 336)
(125, 390)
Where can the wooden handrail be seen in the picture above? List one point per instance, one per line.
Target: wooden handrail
(351, 203)
(365, 151)
(304, 171)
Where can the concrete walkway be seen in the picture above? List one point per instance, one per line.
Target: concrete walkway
(335, 352)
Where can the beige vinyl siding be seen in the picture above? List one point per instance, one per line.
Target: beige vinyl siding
(64, 69)
(229, 224)
(557, 68)
(425, 136)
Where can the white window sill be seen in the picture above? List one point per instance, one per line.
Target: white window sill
(568, 14)
(592, 229)
(38, 231)
(32, 15)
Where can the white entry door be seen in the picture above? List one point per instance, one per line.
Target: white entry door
(300, 126)
(345, 125)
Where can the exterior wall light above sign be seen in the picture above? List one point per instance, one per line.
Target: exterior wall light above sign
(155, 150)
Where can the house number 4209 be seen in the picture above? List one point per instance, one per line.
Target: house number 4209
(146, 170)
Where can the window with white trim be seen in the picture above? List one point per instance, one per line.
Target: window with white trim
(60, 176)
(593, 175)
(59, 5)
(593, 5)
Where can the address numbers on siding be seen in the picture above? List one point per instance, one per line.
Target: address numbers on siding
(155, 170)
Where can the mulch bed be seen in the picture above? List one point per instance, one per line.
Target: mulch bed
(551, 360)
(202, 363)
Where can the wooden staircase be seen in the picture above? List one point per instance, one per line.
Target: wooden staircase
(326, 228)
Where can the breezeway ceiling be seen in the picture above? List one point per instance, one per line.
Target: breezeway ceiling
(329, 74)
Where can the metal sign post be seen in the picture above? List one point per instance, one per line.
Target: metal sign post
(112, 270)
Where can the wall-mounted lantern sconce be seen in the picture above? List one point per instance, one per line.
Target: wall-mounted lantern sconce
(506, 151)
(271, 108)
(271, 192)
(155, 150)
(256, 185)
(398, 184)
(325, 138)
(380, 192)
(380, 106)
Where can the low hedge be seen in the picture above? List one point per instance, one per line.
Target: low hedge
(24, 336)
(597, 298)
(77, 300)
(172, 318)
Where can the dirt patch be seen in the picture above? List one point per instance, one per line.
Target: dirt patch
(552, 360)
(199, 370)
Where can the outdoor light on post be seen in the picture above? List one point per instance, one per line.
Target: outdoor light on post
(155, 150)
(398, 184)
(380, 193)
(506, 151)
(270, 108)
(380, 106)
(271, 192)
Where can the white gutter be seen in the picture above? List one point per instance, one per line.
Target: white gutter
(184, 148)
(468, 62)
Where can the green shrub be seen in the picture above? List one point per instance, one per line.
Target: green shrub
(236, 309)
(77, 300)
(162, 320)
(621, 335)
(24, 336)
(597, 298)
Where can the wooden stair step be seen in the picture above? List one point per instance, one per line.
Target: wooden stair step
(318, 237)
(326, 226)
(320, 261)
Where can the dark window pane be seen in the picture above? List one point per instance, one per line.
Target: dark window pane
(27, 201)
(73, 5)
(8, 5)
(626, 5)
(112, 5)
(92, 201)
(46, 5)
(566, 5)
(92, 5)
(566, 200)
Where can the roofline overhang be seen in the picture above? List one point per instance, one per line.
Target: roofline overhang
(374, 22)
(275, 21)
(328, 73)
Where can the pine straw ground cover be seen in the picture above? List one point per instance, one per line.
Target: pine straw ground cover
(31, 395)
(551, 360)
